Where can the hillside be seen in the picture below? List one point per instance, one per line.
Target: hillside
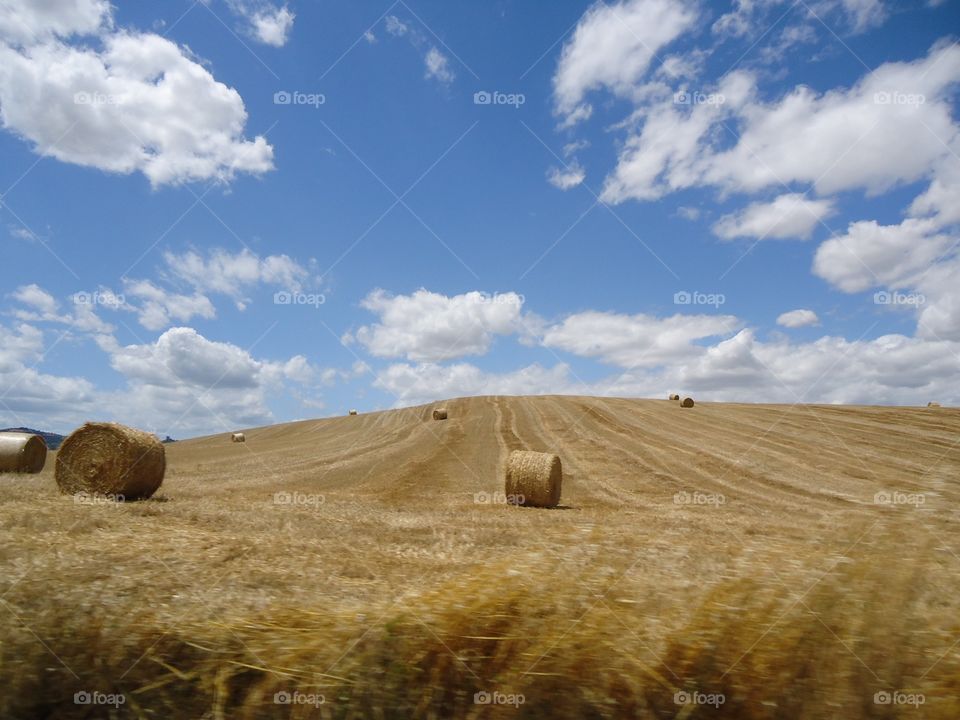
(795, 560)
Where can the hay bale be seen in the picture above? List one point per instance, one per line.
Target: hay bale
(933, 404)
(674, 397)
(687, 402)
(533, 478)
(440, 414)
(111, 459)
(238, 437)
(353, 412)
(22, 452)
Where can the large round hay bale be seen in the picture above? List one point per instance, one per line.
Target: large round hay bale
(353, 412)
(533, 478)
(932, 404)
(111, 459)
(686, 402)
(22, 452)
(439, 414)
(674, 397)
(238, 437)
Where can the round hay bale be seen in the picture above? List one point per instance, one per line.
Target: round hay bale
(22, 452)
(686, 402)
(238, 437)
(933, 404)
(674, 397)
(353, 412)
(533, 478)
(111, 459)
(439, 414)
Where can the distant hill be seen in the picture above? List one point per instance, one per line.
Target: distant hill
(53, 440)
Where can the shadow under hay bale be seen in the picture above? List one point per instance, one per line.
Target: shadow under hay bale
(111, 459)
(238, 437)
(22, 452)
(440, 414)
(533, 479)
(687, 402)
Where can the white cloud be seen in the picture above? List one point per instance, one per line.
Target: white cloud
(272, 26)
(233, 273)
(395, 26)
(44, 307)
(36, 297)
(159, 308)
(25, 22)
(791, 215)
(636, 340)
(569, 177)
(438, 66)
(612, 47)
(754, 18)
(416, 384)
(839, 140)
(428, 326)
(138, 103)
(798, 319)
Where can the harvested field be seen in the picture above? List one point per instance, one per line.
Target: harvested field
(737, 561)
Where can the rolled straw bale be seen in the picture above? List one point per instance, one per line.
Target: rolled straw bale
(111, 459)
(687, 402)
(533, 478)
(440, 414)
(238, 437)
(933, 404)
(353, 412)
(22, 452)
(674, 397)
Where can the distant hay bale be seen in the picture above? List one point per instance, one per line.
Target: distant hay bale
(22, 452)
(933, 404)
(110, 459)
(674, 397)
(238, 437)
(533, 478)
(687, 402)
(440, 414)
(353, 412)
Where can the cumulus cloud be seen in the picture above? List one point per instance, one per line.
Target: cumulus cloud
(272, 27)
(416, 384)
(636, 340)
(798, 318)
(233, 273)
(438, 66)
(41, 306)
(792, 215)
(121, 106)
(612, 47)
(568, 177)
(157, 308)
(428, 326)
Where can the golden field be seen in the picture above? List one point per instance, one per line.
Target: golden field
(734, 561)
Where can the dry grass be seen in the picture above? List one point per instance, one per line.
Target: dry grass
(375, 579)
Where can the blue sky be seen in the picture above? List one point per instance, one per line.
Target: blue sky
(228, 213)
